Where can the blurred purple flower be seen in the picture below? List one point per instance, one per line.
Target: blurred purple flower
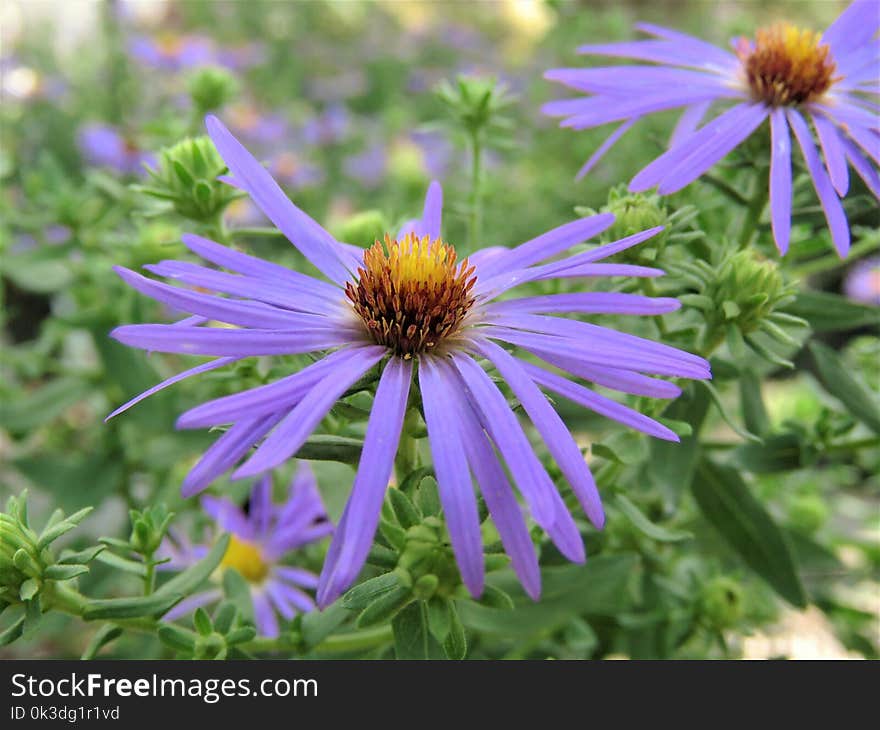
(262, 538)
(437, 152)
(862, 283)
(328, 127)
(171, 51)
(368, 167)
(105, 146)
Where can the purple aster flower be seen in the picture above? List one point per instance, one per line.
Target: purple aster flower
(409, 307)
(329, 127)
(437, 151)
(105, 146)
(367, 167)
(862, 283)
(790, 76)
(172, 52)
(261, 539)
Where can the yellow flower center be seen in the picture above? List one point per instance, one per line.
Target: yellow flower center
(412, 294)
(246, 558)
(787, 65)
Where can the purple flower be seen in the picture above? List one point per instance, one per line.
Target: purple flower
(172, 52)
(394, 307)
(105, 146)
(862, 283)
(294, 172)
(261, 539)
(367, 167)
(436, 149)
(329, 127)
(787, 75)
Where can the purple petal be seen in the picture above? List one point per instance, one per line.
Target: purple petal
(299, 576)
(191, 603)
(318, 246)
(588, 303)
(604, 147)
(429, 225)
(354, 537)
(676, 53)
(832, 151)
(228, 516)
(231, 342)
(599, 403)
(273, 397)
(556, 435)
(264, 616)
(502, 504)
(853, 29)
(299, 424)
(863, 167)
(453, 477)
(712, 150)
(225, 452)
(688, 122)
(827, 196)
(260, 506)
(719, 57)
(291, 595)
(623, 81)
(203, 368)
(780, 180)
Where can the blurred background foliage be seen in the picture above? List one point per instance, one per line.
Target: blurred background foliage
(338, 98)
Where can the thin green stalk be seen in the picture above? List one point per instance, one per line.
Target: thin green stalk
(831, 262)
(475, 232)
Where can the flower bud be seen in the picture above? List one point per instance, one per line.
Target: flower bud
(721, 603)
(362, 229)
(211, 88)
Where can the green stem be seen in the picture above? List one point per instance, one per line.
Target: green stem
(356, 640)
(474, 237)
(853, 445)
(829, 263)
(752, 215)
(726, 188)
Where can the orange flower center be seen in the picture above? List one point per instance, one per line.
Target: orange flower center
(787, 65)
(412, 294)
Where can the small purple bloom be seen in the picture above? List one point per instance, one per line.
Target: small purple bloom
(105, 146)
(261, 539)
(329, 127)
(437, 152)
(862, 283)
(172, 52)
(411, 311)
(790, 76)
(368, 167)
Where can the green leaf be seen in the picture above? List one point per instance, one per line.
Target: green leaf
(331, 448)
(455, 644)
(52, 533)
(644, 525)
(137, 607)
(224, 616)
(438, 618)
(317, 625)
(29, 589)
(728, 505)
(123, 564)
(202, 621)
(384, 607)
(719, 404)
(64, 572)
(365, 593)
(102, 637)
(238, 592)
(779, 453)
(412, 639)
(841, 382)
(753, 411)
(186, 582)
(13, 632)
(177, 638)
(428, 498)
(404, 510)
(81, 557)
(831, 312)
(36, 407)
(496, 598)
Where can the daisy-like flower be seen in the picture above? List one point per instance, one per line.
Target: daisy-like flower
(106, 146)
(862, 283)
(260, 540)
(791, 76)
(403, 304)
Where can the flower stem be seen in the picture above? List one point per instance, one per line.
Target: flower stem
(752, 215)
(475, 233)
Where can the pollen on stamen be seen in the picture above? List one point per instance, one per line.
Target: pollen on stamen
(786, 65)
(412, 294)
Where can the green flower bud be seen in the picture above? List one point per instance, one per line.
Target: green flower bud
(721, 603)
(807, 513)
(187, 178)
(148, 528)
(633, 213)
(475, 102)
(211, 88)
(362, 229)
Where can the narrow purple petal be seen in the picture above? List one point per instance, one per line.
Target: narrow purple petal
(453, 477)
(197, 370)
(688, 122)
(498, 493)
(260, 506)
(228, 516)
(299, 576)
(712, 150)
(676, 53)
(318, 246)
(191, 603)
(264, 615)
(832, 151)
(623, 81)
(429, 225)
(231, 342)
(604, 147)
(699, 47)
(292, 598)
(588, 303)
(299, 424)
(854, 28)
(556, 435)
(827, 196)
(272, 397)
(225, 452)
(354, 537)
(863, 167)
(599, 403)
(780, 180)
